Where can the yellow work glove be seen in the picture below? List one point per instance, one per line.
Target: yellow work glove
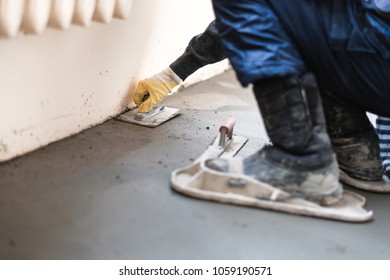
(152, 91)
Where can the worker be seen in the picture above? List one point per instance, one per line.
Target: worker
(284, 63)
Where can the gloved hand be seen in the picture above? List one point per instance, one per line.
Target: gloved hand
(152, 91)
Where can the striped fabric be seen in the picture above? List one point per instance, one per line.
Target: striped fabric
(383, 130)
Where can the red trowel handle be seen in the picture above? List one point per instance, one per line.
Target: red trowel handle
(226, 131)
(227, 126)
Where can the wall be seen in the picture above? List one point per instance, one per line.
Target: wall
(58, 83)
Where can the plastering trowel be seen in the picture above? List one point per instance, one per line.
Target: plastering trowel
(199, 181)
(158, 115)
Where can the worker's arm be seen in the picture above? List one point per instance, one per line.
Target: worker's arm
(202, 50)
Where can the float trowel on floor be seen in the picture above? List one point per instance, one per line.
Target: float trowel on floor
(158, 115)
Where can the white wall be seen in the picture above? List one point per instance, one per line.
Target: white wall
(59, 83)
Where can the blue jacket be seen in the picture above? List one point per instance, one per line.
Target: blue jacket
(345, 43)
(380, 6)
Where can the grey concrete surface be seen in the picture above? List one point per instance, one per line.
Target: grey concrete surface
(105, 194)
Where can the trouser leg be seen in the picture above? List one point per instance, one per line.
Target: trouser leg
(353, 138)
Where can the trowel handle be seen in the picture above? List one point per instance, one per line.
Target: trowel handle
(228, 125)
(146, 96)
(226, 131)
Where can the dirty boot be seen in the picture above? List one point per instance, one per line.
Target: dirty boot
(353, 138)
(300, 161)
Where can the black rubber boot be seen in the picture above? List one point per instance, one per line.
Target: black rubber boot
(353, 138)
(300, 161)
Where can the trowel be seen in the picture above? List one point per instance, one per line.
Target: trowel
(158, 115)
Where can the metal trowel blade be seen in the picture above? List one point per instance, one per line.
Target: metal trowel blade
(144, 116)
(157, 116)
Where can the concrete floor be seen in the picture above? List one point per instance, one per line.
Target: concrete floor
(105, 194)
